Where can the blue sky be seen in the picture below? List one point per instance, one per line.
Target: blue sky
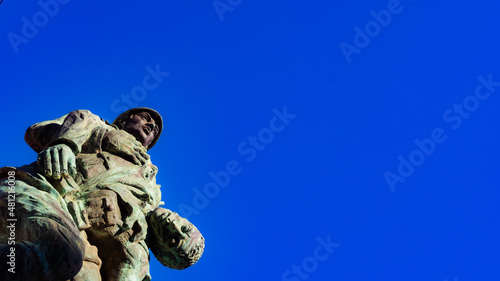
(386, 167)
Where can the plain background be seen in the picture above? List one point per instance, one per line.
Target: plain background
(323, 174)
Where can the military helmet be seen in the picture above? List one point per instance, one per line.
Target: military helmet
(119, 121)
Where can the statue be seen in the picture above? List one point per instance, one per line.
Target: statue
(88, 208)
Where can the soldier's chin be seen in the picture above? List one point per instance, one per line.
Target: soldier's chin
(142, 137)
(172, 259)
(194, 239)
(180, 258)
(139, 136)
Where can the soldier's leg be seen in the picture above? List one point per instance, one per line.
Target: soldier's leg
(136, 263)
(47, 242)
(90, 270)
(121, 259)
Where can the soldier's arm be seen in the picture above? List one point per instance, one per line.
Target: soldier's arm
(77, 128)
(59, 140)
(73, 130)
(38, 136)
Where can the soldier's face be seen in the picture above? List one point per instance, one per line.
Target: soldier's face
(142, 126)
(178, 233)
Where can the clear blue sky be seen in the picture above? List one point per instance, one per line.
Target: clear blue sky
(391, 157)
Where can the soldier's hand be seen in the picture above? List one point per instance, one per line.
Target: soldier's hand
(56, 161)
(126, 146)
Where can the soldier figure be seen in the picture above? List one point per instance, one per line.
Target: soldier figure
(88, 208)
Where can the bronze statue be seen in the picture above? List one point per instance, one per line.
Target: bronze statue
(88, 208)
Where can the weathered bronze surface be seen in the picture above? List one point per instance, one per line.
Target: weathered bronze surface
(88, 208)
